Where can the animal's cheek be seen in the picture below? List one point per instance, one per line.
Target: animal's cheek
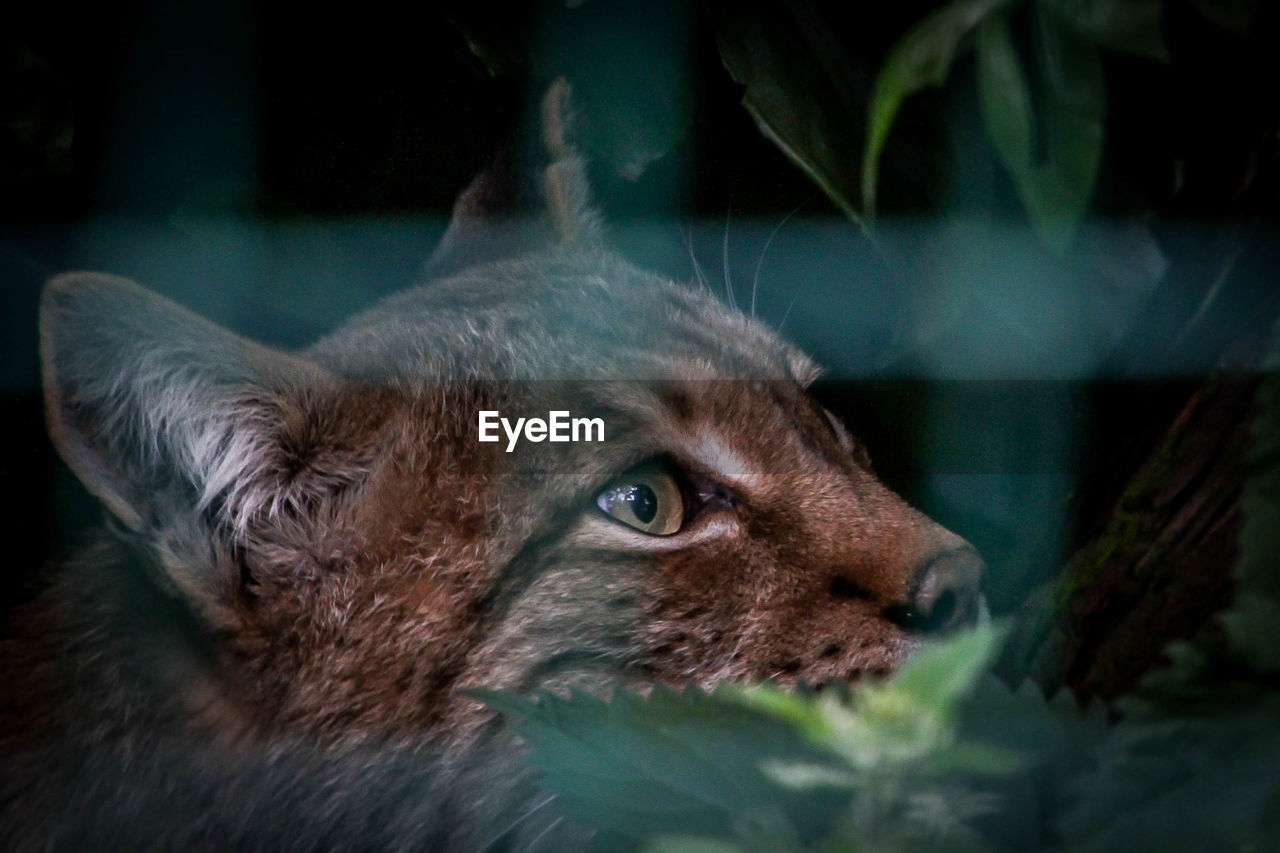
(710, 576)
(728, 610)
(704, 637)
(821, 642)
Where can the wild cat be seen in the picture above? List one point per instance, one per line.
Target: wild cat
(311, 557)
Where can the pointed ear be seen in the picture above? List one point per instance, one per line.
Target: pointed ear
(487, 222)
(155, 409)
(564, 182)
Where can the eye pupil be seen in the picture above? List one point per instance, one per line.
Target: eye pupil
(644, 503)
(647, 499)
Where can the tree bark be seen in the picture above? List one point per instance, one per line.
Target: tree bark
(1161, 566)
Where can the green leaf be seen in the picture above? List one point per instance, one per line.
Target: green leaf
(1196, 778)
(921, 58)
(798, 709)
(804, 775)
(917, 761)
(977, 758)
(668, 763)
(896, 722)
(1055, 189)
(908, 718)
(940, 673)
(796, 91)
(1005, 97)
(1126, 26)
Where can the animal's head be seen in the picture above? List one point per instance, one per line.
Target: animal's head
(355, 556)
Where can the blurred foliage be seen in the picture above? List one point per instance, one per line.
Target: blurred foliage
(922, 57)
(36, 122)
(919, 108)
(1254, 621)
(886, 765)
(1010, 160)
(1194, 764)
(941, 756)
(1052, 153)
(1047, 130)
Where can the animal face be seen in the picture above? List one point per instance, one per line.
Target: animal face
(361, 556)
(353, 557)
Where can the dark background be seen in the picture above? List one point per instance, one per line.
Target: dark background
(277, 167)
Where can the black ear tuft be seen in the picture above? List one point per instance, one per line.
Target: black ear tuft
(565, 183)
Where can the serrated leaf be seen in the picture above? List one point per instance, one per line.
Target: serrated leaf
(511, 704)
(1200, 778)
(893, 723)
(940, 673)
(920, 59)
(800, 711)
(684, 763)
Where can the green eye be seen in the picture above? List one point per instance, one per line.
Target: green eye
(649, 501)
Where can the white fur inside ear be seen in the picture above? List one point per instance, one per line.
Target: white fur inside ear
(141, 393)
(222, 444)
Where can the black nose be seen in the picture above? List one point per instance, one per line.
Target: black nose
(947, 594)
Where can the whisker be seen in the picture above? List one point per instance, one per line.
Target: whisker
(755, 281)
(790, 305)
(529, 813)
(693, 257)
(724, 254)
(993, 590)
(533, 843)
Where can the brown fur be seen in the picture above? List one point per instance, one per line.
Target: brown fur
(314, 557)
